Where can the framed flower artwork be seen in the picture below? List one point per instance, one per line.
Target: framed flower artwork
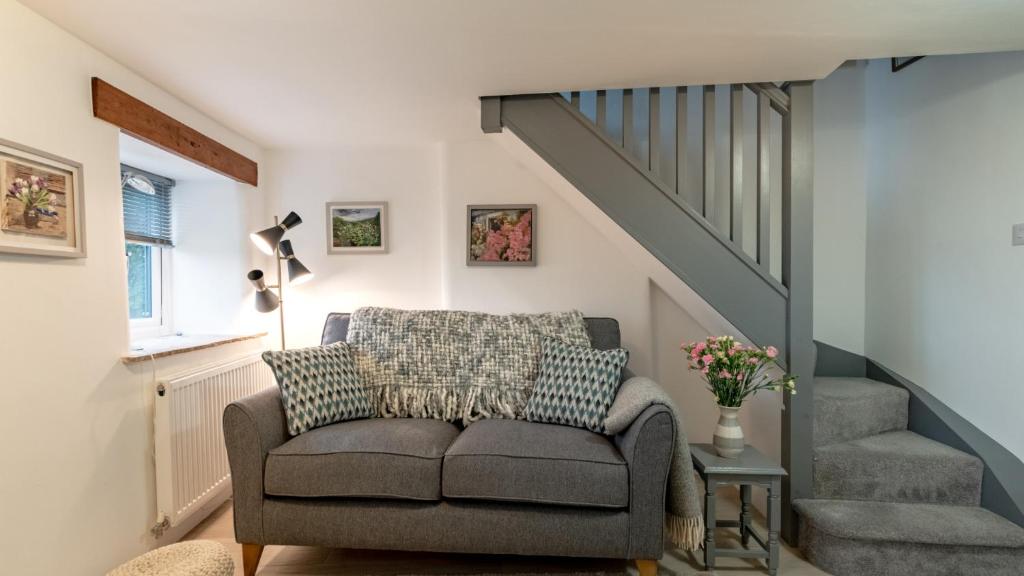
(41, 203)
(501, 235)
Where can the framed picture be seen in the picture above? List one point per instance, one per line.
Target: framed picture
(357, 227)
(41, 203)
(501, 235)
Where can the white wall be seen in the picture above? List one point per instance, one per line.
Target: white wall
(945, 184)
(408, 276)
(212, 221)
(840, 208)
(577, 268)
(76, 494)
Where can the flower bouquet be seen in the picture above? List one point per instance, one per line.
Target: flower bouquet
(733, 373)
(35, 198)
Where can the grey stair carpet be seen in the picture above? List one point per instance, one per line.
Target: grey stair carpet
(890, 502)
(854, 538)
(897, 467)
(850, 408)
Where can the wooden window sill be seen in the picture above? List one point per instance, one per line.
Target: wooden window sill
(153, 348)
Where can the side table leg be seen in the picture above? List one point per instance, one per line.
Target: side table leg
(709, 523)
(774, 522)
(745, 514)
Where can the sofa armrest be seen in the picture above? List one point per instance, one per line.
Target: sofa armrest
(647, 446)
(253, 426)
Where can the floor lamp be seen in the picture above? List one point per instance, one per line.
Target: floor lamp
(270, 242)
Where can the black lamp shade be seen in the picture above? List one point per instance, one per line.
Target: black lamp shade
(267, 240)
(266, 300)
(297, 272)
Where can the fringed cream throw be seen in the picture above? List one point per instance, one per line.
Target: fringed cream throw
(454, 366)
(684, 519)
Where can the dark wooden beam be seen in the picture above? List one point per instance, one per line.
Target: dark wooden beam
(146, 123)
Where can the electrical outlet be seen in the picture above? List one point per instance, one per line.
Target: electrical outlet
(1018, 234)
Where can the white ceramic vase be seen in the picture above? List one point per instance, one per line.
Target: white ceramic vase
(728, 439)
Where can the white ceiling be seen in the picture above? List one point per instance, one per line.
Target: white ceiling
(312, 73)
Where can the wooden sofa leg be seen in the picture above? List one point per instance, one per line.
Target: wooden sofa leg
(647, 567)
(251, 558)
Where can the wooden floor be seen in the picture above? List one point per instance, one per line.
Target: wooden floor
(304, 560)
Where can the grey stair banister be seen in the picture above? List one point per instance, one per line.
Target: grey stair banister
(646, 208)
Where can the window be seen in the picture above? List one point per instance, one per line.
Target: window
(148, 242)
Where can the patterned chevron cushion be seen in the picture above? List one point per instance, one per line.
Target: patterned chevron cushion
(575, 385)
(319, 386)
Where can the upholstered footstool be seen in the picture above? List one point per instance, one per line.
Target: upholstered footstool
(192, 558)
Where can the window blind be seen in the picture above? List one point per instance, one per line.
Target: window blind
(147, 216)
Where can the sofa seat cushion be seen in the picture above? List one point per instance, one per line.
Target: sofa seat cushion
(374, 458)
(513, 460)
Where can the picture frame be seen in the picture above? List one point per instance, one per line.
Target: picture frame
(357, 227)
(42, 203)
(514, 227)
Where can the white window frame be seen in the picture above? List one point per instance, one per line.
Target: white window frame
(160, 323)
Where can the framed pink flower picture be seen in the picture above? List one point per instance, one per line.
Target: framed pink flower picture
(501, 235)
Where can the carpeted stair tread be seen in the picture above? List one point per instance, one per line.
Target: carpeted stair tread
(932, 524)
(897, 467)
(851, 408)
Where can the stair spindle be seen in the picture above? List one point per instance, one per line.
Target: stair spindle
(654, 130)
(763, 180)
(736, 167)
(628, 137)
(680, 169)
(708, 203)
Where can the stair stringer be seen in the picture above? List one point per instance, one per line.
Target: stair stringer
(713, 270)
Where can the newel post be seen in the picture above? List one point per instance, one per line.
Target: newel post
(797, 272)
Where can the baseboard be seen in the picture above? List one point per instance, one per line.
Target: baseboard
(832, 361)
(1002, 489)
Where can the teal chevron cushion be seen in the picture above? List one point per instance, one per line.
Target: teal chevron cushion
(575, 384)
(319, 386)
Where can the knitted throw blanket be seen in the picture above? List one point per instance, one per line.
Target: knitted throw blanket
(453, 366)
(684, 519)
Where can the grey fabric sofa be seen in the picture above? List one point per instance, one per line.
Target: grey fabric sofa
(494, 487)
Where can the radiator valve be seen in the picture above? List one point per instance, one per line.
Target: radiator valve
(162, 526)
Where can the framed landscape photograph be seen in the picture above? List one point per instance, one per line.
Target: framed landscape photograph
(357, 227)
(501, 235)
(41, 203)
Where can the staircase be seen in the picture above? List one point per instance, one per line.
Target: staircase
(713, 181)
(890, 502)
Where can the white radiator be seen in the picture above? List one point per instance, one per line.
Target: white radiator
(191, 461)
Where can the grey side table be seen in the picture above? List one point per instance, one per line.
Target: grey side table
(751, 468)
